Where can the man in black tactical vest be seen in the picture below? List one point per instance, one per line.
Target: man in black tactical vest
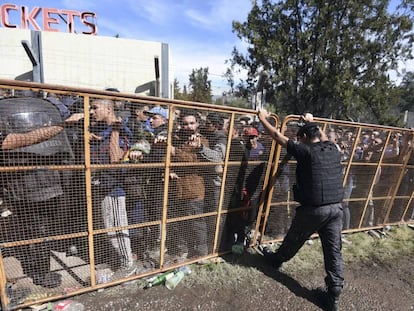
(319, 191)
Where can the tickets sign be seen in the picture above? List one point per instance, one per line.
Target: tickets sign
(47, 19)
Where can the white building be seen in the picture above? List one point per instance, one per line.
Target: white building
(87, 61)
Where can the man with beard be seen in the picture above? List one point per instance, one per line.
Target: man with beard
(188, 187)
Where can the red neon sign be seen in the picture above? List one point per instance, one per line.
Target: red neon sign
(49, 17)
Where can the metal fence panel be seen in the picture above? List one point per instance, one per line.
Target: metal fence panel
(80, 212)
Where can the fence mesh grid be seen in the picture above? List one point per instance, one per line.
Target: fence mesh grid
(96, 188)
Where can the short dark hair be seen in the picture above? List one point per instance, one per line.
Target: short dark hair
(311, 130)
(216, 119)
(189, 112)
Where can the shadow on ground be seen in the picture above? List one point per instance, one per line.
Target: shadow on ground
(250, 259)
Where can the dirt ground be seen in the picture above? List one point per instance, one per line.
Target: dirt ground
(385, 285)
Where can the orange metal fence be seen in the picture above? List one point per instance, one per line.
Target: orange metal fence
(80, 212)
(378, 177)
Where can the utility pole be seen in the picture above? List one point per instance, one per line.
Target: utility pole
(260, 96)
(34, 52)
(157, 76)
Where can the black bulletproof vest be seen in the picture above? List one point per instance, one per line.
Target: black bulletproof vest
(320, 180)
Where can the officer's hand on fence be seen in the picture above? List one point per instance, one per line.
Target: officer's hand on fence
(263, 114)
(306, 117)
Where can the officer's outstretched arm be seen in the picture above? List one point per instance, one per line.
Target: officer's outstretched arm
(274, 132)
(17, 140)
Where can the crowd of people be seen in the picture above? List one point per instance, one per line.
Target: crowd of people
(120, 133)
(364, 151)
(42, 202)
(371, 147)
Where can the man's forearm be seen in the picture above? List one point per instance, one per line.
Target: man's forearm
(273, 132)
(19, 140)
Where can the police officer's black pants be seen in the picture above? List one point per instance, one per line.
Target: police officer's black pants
(32, 221)
(327, 222)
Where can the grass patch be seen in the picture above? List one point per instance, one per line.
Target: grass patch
(246, 268)
(398, 241)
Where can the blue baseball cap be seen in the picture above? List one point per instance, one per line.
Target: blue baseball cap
(157, 110)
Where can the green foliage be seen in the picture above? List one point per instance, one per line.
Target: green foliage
(331, 59)
(398, 241)
(177, 92)
(200, 86)
(233, 102)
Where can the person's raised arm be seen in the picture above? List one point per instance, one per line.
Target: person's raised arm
(273, 131)
(19, 140)
(308, 117)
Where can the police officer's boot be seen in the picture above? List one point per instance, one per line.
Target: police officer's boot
(271, 258)
(332, 303)
(333, 298)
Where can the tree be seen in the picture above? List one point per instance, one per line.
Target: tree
(330, 58)
(177, 92)
(200, 86)
(232, 101)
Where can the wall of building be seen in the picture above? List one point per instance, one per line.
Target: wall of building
(89, 61)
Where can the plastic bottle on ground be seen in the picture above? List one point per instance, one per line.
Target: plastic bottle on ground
(172, 282)
(185, 269)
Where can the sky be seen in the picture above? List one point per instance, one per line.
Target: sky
(198, 32)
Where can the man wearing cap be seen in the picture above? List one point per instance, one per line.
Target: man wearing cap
(158, 117)
(319, 191)
(255, 147)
